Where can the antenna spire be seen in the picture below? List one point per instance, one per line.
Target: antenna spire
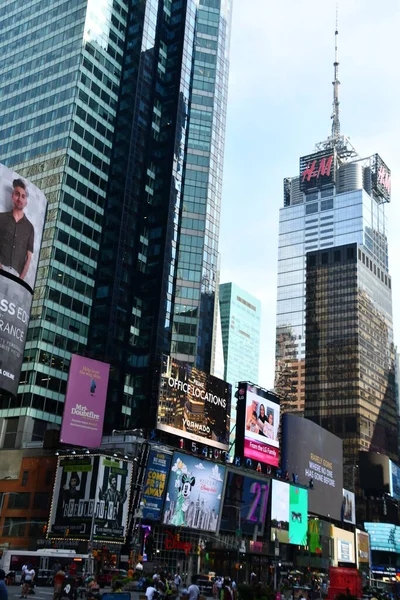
(336, 83)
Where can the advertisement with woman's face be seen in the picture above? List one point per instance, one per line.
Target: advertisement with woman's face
(261, 428)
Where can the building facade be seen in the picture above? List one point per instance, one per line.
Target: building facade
(240, 328)
(125, 101)
(60, 76)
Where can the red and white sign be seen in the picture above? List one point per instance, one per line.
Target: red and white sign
(260, 452)
(317, 168)
(384, 178)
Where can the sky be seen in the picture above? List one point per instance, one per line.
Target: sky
(279, 107)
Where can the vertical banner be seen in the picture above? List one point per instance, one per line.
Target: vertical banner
(85, 401)
(74, 498)
(155, 484)
(113, 494)
(22, 216)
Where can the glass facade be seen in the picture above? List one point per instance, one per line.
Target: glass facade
(346, 211)
(59, 82)
(350, 356)
(240, 326)
(155, 291)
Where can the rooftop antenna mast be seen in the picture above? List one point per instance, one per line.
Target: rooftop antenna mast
(336, 83)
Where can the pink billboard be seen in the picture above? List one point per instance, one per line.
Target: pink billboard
(85, 402)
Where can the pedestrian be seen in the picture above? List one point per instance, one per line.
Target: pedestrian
(58, 582)
(193, 590)
(177, 582)
(28, 581)
(3, 587)
(151, 592)
(228, 594)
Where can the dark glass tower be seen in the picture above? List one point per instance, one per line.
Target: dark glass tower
(156, 285)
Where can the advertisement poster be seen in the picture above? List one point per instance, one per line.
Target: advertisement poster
(22, 216)
(362, 547)
(344, 551)
(15, 308)
(85, 401)
(316, 454)
(394, 480)
(245, 503)
(289, 513)
(349, 507)
(155, 484)
(194, 405)
(261, 426)
(112, 502)
(384, 536)
(74, 498)
(194, 493)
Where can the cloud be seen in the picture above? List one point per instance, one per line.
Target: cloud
(215, 473)
(200, 466)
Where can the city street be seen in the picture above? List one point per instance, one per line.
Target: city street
(41, 593)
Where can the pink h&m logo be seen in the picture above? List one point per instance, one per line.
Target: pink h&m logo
(384, 178)
(317, 169)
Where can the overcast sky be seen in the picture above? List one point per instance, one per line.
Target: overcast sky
(279, 106)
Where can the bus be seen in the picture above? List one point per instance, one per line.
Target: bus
(43, 561)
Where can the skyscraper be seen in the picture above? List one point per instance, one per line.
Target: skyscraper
(129, 104)
(337, 199)
(240, 326)
(59, 80)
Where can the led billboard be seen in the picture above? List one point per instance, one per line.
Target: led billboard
(344, 546)
(349, 507)
(381, 178)
(289, 513)
(194, 493)
(394, 480)
(194, 405)
(90, 499)
(22, 216)
(85, 401)
(384, 536)
(312, 453)
(257, 424)
(155, 484)
(245, 503)
(317, 170)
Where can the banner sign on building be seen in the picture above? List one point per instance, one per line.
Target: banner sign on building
(245, 503)
(317, 170)
(194, 405)
(363, 551)
(394, 480)
(155, 484)
(381, 178)
(22, 216)
(85, 401)
(384, 536)
(90, 499)
(114, 484)
(194, 493)
(289, 513)
(349, 507)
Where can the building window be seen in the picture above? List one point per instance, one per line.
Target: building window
(11, 433)
(37, 528)
(41, 500)
(19, 500)
(25, 476)
(14, 527)
(49, 477)
(324, 258)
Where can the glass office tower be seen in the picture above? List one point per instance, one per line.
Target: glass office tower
(156, 288)
(240, 326)
(60, 71)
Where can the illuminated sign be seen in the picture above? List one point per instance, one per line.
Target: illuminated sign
(317, 170)
(381, 178)
(245, 503)
(289, 512)
(174, 542)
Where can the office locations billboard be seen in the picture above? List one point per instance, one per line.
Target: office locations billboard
(311, 452)
(194, 493)
(258, 413)
(114, 485)
(22, 216)
(74, 498)
(82, 423)
(245, 503)
(194, 405)
(155, 485)
(90, 499)
(289, 513)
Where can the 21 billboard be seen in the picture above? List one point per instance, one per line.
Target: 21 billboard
(289, 513)
(245, 503)
(194, 493)
(85, 401)
(194, 405)
(22, 216)
(155, 484)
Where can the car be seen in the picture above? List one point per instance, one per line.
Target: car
(107, 575)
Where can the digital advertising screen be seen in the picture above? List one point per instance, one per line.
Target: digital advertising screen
(245, 503)
(349, 507)
(363, 550)
(258, 424)
(194, 493)
(112, 502)
(394, 480)
(85, 402)
(311, 452)
(289, 513)
(384, 536)
(155, 485)
(22, 215)
(194, 405)
(317, 170)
